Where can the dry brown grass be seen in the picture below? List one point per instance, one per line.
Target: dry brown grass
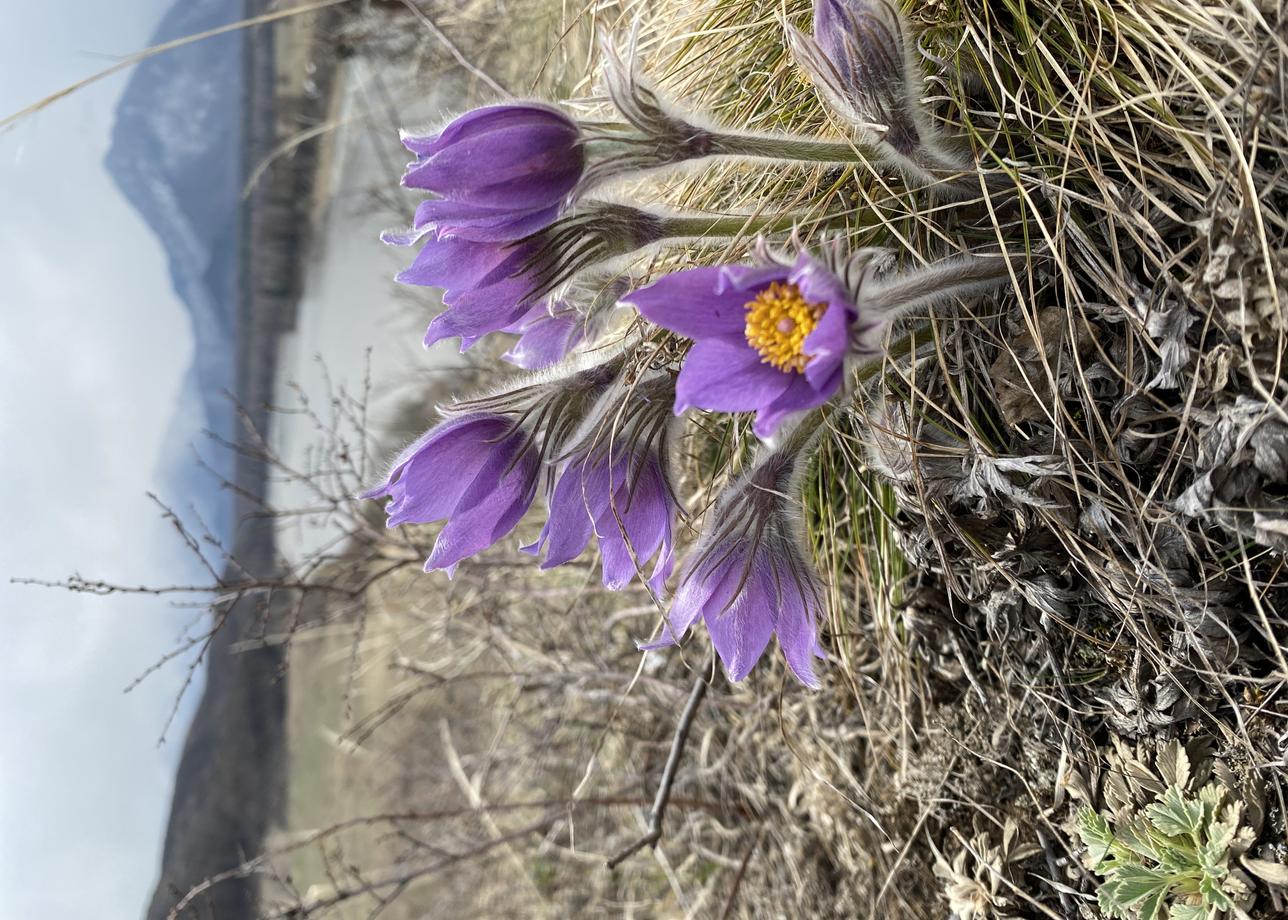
(1060, 521)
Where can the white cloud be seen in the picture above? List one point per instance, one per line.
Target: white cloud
(92, 354)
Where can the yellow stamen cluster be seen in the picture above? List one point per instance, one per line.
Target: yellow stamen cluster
(778, 320)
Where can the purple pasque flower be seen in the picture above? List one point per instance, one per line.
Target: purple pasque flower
(749, 576)
(492, 483)
(480, 467)
(614, 482)
(776, 339)
(552, 329)
(861, 62)
(499, 172)
(772, 339)
(495, 286)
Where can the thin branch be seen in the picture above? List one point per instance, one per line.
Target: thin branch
(654, 834)
(146, 53)
(740, 874)
(447, 43)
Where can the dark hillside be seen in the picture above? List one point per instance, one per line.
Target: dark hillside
(241, 277)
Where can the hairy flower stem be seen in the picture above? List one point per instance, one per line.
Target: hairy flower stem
(926, 165)
(684, 227)
(804, 150)
(749, 146)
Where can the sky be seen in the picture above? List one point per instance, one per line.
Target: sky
(92, 355)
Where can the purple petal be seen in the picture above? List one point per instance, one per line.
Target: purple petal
(799, 395)
(817, 283)
(750, 279)
(419, 492)
(665, 563)
(707, 589)
(489, 509)
(468, 326)
(553, 178)
(700, 587)
(727, 377)
(453, 262)
(475, 313)
(829, 21)
(638, 519)
(829, 340)
(741, 632)
(409, 237)
(699, 303)
(525, 163)
(546, 338)
(473, 222)
(513, 267)
(569, 525)
(826, 345)
(797, 629)
(483, 120)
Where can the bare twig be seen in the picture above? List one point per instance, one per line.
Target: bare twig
(741, 874)
(455, 52)
(143, 55)
(663, 798)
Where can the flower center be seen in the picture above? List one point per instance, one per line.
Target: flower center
(778, 320)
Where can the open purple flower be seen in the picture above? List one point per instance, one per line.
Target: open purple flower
(614, 483)
(748, 577)
(771, 339)
(775, 339)
(479, 468)
(500, 172)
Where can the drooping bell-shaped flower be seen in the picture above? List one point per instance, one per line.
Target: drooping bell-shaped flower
(749, 576)
(499, 172)
(554, 328)
(776, 338)
(614, 483)
(491, 286)
(480, 468)
(492, 484)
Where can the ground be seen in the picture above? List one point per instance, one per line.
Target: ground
(1049, 519)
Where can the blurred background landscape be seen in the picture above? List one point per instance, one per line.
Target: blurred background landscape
(260, 158)
(230, 692)
(260, 165)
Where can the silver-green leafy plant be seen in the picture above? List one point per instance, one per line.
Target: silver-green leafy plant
(1176, 859)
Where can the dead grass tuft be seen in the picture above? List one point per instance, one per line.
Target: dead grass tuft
(1055, 518)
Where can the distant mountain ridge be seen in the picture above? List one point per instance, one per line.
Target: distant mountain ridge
(176, 155)
(189, 124)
